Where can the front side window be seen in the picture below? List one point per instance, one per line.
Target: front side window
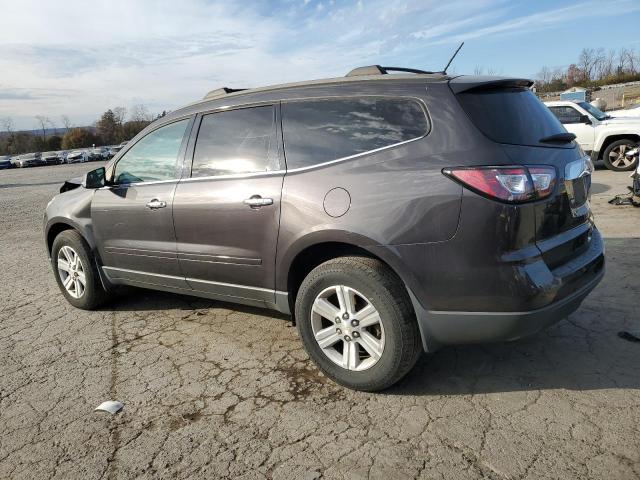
(154, 157)
(236, 142)
(317, 131)
(566, 115)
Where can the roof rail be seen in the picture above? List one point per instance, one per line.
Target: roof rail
(221, 92)
(378, 70)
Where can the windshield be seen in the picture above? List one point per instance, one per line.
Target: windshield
(596, 112)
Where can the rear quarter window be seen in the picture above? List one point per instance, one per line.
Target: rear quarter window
(318, 131)
(510, 115)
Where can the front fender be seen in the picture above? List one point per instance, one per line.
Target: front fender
(73, 209)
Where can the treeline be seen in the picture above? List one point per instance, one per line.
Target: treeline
(113, 127)
(594, 68)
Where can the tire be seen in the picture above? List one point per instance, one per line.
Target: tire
(393, 344)
(92, 294)
(612, 159)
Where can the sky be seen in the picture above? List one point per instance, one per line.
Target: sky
(80, 57)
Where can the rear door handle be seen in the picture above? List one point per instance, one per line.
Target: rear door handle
(257, 201)
(155, 204)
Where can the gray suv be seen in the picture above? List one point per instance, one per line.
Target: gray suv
(387, 213)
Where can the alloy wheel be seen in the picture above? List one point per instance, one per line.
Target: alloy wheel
(71, 271)
(348, 328)
(618, 159)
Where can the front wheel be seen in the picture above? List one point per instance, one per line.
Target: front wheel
(75, 272)
(356, 323)
(614, 156)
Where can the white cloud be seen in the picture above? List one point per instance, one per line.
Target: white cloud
(79, 58)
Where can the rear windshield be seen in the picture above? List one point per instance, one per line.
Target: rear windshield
(511, 115)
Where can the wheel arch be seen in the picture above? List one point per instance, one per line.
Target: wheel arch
(316, 253)
(56, 226)
(614, 138)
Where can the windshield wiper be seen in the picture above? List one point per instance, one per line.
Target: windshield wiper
(564, 137)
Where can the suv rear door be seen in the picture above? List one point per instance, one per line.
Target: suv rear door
(227, 213)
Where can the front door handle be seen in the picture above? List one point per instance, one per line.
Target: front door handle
(155, 204)
(257, 201)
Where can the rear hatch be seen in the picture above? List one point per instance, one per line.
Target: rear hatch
(507, 112)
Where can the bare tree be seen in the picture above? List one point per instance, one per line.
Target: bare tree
(7, 125)
(631, 59)
(140, 113)
(599, 62)
(43, 122)
(544, 75)
(66, 122)
(622, 60)
(587, 62)
(120, 113)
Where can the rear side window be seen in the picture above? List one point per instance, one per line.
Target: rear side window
(510, 115)
(318, 131)
(236, 141)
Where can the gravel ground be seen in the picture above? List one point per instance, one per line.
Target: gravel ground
(214, 390)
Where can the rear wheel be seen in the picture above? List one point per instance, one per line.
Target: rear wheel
(614, 156)
(75, 272)
(356, 323)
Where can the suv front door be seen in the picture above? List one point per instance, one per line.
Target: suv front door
(574, 121)
(132, 216)
(227, 213)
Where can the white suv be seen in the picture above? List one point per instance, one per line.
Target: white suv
(604, 137)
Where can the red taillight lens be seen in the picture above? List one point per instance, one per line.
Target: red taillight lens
(510, 184)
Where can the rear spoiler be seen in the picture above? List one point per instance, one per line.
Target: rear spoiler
(465, 83)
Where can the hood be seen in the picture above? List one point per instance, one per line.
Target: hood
(622, 121)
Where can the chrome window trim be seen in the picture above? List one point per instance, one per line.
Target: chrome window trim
(235, 176)
(351, 157)
(226, 108)
(418, 100)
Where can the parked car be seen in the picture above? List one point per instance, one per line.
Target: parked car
(77, 156)
(50, 158)
(633, 111)
(113, 150)
(602, 136)
(62, 156)
(388, 213)
(5, 162)
(29, 160)
(98, 153)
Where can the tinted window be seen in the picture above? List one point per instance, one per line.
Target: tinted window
(318, 131)
(237, 141)
(153, 157)
(510, 115)
(566, 114)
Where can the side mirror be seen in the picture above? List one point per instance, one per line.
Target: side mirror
(585, 119)
(94, 178)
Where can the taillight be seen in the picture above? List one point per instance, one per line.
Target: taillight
(513, 184)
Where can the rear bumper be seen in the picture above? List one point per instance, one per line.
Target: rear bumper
(565, 287)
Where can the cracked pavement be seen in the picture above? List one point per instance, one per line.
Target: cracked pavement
(213, 390)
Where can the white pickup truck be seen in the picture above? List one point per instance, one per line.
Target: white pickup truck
(602, 136)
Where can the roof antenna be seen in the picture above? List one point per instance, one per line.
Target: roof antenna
(452, 57)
